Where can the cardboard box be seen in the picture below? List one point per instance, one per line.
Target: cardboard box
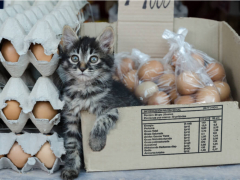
(170, 136)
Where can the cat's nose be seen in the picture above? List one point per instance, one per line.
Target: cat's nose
(83, 69)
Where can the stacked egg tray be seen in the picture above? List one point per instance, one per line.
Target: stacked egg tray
(41, 24)
(43, 90)
(27, 151)
(25, 24)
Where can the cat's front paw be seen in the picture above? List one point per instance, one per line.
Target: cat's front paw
(97, 140)
(69, 174)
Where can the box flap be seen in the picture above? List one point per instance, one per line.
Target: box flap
(141, 24)
(203, 34)
(145, 10)
(230, 54)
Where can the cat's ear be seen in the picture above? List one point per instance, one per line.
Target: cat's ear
(69, 37)
(106, 40)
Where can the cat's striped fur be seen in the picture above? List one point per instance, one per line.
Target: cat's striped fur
(89, 86)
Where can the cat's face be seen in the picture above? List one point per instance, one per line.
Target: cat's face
(85, 58)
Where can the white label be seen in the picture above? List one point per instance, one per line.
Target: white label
(185, 130)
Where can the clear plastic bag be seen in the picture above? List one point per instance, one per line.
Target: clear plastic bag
(193, 83)
(216, 72)
(126, 66)
(142, 75)
(156, 80)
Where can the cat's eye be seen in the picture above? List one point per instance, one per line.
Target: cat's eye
(93, 59)
(74, 58)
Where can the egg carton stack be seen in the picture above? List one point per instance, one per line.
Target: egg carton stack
(31, 34)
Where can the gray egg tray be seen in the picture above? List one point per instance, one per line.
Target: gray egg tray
(31, 144)
(43, 90)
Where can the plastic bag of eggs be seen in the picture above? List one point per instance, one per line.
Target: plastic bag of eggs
(150, 80)
(156, 83)
(126, 62)
(200, 79)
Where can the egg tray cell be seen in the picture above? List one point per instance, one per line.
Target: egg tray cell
(16, 69)
(31, 144)
(43, 90)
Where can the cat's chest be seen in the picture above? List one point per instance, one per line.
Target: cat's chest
(84, 99)
(80, 103)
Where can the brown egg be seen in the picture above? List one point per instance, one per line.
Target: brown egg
(126, 65)
(146, 90)
(184, 100)
(46, 156)
(1, 156)
(167, 67)
(130, 80)
(188, 83)
(9, 52)
(44, 110)
(12, 111)
(198, 58)
(150, 70)
(209, 94)
(61, 43)
(38, 51)
(166, 81)
(159, 98)
(215, 71)
(18, 157)
(223, 89)
(173, 95)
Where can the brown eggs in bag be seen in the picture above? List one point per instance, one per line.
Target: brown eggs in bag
(223, 89)
(44, 110)
(198, 58)
(38, 51)
(18, 157)
(215, 71)
(130, 80)
(159, 98)
(9, 52)
(150, 70)
(46, 156)
(126, 65)
(174, 61)
(13, 110)
(184, 100)
(188, 83)
(207, 94)
(173, 95)
(146, 90)
(166, 81)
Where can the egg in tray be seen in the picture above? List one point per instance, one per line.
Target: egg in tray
(41, 105)
(23, 152)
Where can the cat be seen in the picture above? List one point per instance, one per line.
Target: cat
(87, 65)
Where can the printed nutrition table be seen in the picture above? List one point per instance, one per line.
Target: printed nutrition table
(182, 130)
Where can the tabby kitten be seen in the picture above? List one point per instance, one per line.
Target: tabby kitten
(87, 64)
